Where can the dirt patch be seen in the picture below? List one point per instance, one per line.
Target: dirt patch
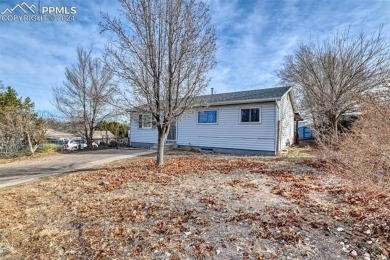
(197, 206)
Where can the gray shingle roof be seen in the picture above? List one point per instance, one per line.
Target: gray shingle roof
(258, 94)
(240, 96)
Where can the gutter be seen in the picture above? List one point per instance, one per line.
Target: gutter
(235, 102)
(247, 101)
(277, 128)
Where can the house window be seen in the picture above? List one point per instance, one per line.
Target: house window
(207, 117)
(145, 121)
(249, 115)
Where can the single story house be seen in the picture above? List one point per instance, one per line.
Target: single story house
(258, 122)
(54, 134)
(102, 136)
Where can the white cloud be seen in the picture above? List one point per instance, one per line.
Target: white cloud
(253, 39)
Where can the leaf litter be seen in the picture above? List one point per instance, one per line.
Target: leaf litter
(196, 207)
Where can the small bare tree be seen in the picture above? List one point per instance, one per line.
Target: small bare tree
(20, 127)
(330, 76)
(164, 51)
(84, 97)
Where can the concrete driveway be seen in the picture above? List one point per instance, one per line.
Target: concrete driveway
(27, 170)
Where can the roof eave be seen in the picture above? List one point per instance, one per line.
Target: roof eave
(247, 101)
(234, 102)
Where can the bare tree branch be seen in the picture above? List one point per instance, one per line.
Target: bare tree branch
(84, 96)
(163, 50)
(330, 76)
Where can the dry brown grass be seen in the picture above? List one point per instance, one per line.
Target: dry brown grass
(305, 150)
(364, 153)
(195, 207)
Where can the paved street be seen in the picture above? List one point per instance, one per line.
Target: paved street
(23, 171)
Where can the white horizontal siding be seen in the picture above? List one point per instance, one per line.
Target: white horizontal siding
(229, 132)
(142, 135)
(286, 122)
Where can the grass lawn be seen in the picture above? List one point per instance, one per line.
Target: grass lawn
(196, 207)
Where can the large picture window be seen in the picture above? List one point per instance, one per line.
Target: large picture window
(145, 121)
(207, 117)
(249, 115)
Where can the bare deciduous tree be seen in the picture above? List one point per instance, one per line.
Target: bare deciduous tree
(163, 49)
(330, 76)
(84, 97)
(20, 127)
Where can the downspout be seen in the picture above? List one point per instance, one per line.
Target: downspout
(277, 128)
(129, 131)
(296, 133)
(177, 132)
(297, 118)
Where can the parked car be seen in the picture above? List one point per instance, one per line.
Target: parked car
(76, 144)
(56, 141)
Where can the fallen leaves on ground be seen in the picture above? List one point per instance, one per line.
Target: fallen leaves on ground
(196, 207)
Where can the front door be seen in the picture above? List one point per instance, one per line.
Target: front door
(172, 132)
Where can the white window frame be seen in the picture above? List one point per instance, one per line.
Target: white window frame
(208, 110)
(250, 122)
(143, 122)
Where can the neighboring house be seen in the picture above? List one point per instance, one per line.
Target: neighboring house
(98, 136)
(54, 134)
(102, 136)
(247, 122)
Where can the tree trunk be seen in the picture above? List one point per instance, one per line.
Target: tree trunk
(30, 145)
(90, 138)
(162, 134)
(334, 126)
(334, 132)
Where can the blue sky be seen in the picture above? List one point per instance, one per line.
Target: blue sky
(253, 39)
